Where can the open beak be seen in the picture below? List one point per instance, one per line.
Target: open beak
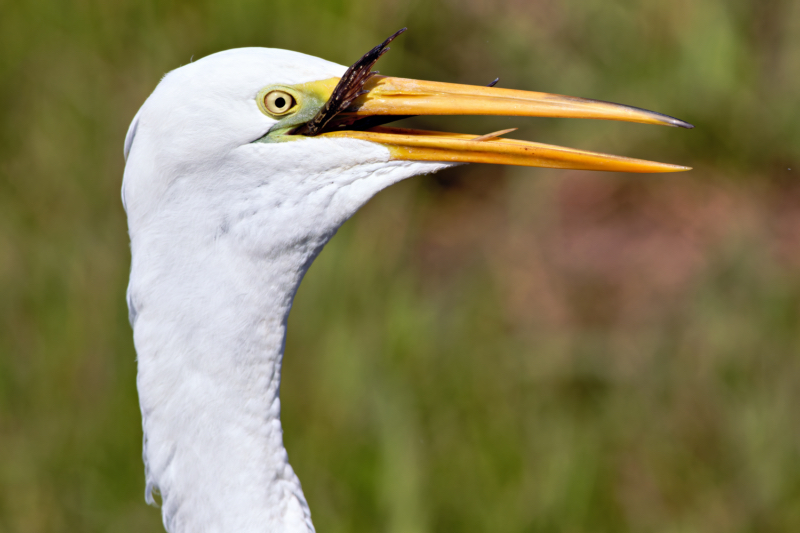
(387, 96)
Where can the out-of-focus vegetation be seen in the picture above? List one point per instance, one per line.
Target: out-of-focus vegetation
(485, 350)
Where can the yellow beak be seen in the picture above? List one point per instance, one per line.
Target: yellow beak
(398, 96)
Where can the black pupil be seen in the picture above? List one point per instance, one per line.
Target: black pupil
(280, 102)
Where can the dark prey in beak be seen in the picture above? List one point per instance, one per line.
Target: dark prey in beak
(350, 87)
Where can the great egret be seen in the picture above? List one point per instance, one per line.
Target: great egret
(239, 168)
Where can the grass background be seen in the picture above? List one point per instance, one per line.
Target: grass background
(484, 350)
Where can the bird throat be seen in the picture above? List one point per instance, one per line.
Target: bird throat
(210, 331)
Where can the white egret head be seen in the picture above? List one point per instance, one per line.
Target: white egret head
(237, 122)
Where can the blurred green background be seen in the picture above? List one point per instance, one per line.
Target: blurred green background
(484, 350)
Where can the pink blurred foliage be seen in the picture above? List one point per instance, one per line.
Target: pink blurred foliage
(611, 250)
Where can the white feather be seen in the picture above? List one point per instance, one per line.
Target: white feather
(222, 231)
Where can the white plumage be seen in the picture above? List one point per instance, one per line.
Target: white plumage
(222, 231)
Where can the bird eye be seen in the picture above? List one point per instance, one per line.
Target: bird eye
(279, 102)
